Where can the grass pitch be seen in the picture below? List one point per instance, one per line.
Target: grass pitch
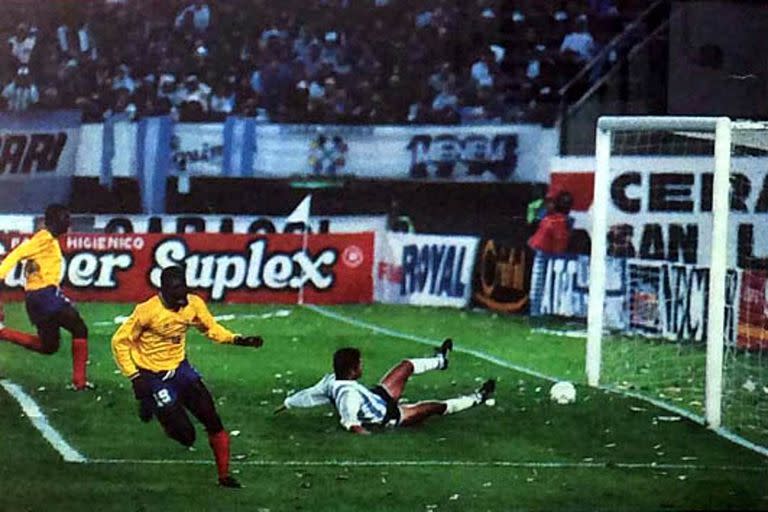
(606, 452)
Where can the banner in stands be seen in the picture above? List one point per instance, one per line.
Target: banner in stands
(263, 224)
(37, 158)
(753, 311)
(331, 269)
(198, 148)
(660, 208)
(401, 152)
(461, 153)
(425, 270)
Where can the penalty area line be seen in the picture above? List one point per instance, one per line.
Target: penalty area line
(448, 463)
(40, 422)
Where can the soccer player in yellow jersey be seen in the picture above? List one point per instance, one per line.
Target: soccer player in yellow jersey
(47, 307)
(149, 348)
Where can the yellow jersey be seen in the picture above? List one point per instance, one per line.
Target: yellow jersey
(154, 337)
(43, 259)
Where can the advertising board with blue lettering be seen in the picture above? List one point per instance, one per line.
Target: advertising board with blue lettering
(560, 287)
(425, 270)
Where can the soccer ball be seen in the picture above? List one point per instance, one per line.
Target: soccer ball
(562, 392)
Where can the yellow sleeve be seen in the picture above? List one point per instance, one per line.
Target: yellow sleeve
(126, 336)
(22, 251)
(206, 324)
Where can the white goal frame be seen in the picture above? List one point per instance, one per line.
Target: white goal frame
(721, 128)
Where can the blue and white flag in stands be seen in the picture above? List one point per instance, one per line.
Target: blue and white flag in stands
(239, 146)
(153, 161)
(108, 147)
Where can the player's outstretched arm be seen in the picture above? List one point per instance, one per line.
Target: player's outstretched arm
(213, 330)
(319, 394)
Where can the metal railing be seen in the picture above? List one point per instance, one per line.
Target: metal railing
(583, 90)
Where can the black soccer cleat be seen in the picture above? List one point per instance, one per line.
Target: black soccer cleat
(446, 347)
(229, 481)
(486, 390)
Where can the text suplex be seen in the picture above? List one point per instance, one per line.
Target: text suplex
(425, 270)
(434, 269)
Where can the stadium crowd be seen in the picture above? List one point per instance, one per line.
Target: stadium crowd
(316, 61)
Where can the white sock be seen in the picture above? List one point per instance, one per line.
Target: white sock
(426, 364)
(461, 403)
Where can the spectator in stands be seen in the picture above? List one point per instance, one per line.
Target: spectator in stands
(167, 89)
(123, 79)
(554, 231)
(195, 17)
(481, 70)
(579, 45)
(446, 103)
(402, 50)
(21, 93)
(222, 100)
(194, 99)
(22, 44)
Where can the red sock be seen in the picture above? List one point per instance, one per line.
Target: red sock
(29, 341)
(79, 359)
(220, 446)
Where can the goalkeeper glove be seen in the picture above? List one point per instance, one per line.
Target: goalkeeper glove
(249, 341)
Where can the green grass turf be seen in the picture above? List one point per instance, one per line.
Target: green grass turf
(248, 384)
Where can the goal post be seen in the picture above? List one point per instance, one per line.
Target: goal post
(709, 357)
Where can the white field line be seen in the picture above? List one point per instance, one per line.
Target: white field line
(426, 341)
(448, 463)
(723, 432)
(40, 422)
(558, 332)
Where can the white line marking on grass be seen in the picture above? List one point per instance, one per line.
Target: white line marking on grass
(559, 332)
(40, 422)
(449, 463)
(426, 341)
(723, 432)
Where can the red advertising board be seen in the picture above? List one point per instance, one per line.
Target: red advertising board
(753, 311)
(331, 268)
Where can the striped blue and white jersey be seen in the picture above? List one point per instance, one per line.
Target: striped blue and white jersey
(356, 403)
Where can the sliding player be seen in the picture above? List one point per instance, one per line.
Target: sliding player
(47, 307)
(360, 407)
(150, 349)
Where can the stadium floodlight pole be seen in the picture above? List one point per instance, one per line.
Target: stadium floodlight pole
(718, 264)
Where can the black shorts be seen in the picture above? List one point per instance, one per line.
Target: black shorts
(392, 418)
(42, 304)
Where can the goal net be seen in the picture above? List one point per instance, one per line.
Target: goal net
(680, 212)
